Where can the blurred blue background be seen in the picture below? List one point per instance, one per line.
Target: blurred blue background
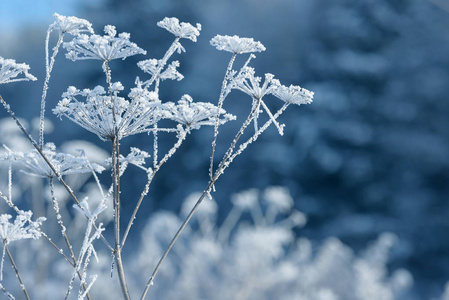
(371, 154)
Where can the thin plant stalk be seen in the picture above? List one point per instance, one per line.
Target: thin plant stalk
(150, 179)
(49, 68)
(228, 158)
(220, 105)
(22, 284)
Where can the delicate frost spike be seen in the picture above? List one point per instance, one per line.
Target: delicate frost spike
(181, 30)
(294, 94)
(195, 114)
(236, 44)
(33, 163)
(247, 82)
(95, 114)
(9, 70)
(71, 25)
(105, 48)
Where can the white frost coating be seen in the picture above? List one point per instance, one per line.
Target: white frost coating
(105, 48)
(247, 82)
(95, 114)
(195, 114)
(180, 30)
(33, 163)
(294, 94)
(70, 25)
(236, 44)
(9, 70)
(22, 228)
(151, 67)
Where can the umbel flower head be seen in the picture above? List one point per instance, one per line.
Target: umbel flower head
(133, 116)
(22, 228)
(247, 82)
(105, 48)
(236, 44)
(195, 114)
(180, 30)
(9, 70)
(294, 94)
(71, 25)
(32, 162)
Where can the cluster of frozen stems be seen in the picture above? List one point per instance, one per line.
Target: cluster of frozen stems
(111, 116)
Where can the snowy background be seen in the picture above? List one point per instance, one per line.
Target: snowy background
(370, 155)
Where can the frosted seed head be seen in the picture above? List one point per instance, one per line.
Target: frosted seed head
(180, 30)
(236, 44)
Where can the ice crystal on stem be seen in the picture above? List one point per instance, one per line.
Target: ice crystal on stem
(71, 25)
(236, 44)
(180, 30)
(9, 70)
(195, 114)
(96, 114)
(105, 48)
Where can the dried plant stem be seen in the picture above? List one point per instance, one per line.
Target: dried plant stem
(58, 175)
(64, 232)
(49, 68)
(218, 173)
(22, 285)
(117, 249)
(157, 166)
(163, 62)
(220, 105)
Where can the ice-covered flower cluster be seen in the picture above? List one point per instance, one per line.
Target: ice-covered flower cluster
(105, 48)
(22, 227)
(98, 112)
(247, 82)
(236, 44)
(195, 114)
(70, 25)
(32, 162)
(293, 94)
(180, 30)
(9, 70)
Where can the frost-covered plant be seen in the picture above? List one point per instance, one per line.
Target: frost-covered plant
(105, 112)
(253, 254)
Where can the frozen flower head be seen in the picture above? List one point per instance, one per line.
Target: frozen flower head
(132, 116)
(250, 84)
(71, 25)
(195, 114)
(294, 94)
(9, 70)
(150, 66)
(180, 30)
(22, 228)
(33, 163)
(236, 44)
(105, 48)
